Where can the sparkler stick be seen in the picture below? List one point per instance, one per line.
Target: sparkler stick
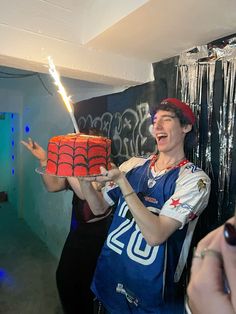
(62, 91)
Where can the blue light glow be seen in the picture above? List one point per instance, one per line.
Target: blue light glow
(27, 129)
(6, 279)
(12, 129)
(2, 274)
(12, 157)
(13, 171)
(12, 143)
(12, 115)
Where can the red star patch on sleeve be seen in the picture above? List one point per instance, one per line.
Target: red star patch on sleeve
(175, 203)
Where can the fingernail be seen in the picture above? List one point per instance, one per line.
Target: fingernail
(230, 234)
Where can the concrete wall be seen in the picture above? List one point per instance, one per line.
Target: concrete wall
(41, 114)
(9, 130)
(11, 102)
(5, 151)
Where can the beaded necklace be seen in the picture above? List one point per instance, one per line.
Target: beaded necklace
(152, 179)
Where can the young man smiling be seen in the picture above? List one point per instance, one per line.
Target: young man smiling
(158, 202)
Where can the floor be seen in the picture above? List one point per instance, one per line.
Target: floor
(27, 269)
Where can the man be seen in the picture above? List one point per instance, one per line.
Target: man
(83, 244)
(158, 203)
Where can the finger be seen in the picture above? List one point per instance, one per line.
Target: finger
(206, 275)
(102, 179)
(212, 260)
(31, 143)
(26, 145)
(104, 171)
(113, 166)
(88, 179)
(197, 258)
(36, 145)
(229, 259)
(210, 279)
(196, 261)
(196, 253)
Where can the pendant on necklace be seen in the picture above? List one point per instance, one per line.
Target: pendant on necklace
(151, 183)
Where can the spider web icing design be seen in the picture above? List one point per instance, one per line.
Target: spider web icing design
(78, 155)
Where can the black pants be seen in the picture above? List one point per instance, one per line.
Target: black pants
(77, 264)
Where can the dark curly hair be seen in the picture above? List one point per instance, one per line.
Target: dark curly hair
(190, 140)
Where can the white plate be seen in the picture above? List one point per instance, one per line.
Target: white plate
(42, 170)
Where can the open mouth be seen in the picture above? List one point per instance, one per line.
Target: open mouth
(160, 137)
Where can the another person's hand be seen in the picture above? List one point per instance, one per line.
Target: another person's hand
(212, 287)
(36, 150)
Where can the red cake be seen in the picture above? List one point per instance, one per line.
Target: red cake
(78, 155)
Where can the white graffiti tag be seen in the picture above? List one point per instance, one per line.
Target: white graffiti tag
(129, 130)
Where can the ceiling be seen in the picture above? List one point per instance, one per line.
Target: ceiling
(108, 41)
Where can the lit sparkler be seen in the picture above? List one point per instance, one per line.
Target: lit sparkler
(62, 91)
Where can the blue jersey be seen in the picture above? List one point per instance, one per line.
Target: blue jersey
(132, 276)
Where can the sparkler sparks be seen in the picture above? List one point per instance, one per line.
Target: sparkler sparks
(61, 90)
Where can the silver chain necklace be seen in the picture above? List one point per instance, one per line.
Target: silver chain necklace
(152, 180)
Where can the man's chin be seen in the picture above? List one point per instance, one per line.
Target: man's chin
(162, 148)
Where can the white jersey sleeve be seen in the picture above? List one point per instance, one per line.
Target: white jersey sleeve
(190, 197)
(132, 163)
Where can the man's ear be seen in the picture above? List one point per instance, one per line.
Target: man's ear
(187, 128)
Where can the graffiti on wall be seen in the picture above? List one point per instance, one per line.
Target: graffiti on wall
(130, 131)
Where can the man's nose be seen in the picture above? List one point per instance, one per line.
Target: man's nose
(158, 124)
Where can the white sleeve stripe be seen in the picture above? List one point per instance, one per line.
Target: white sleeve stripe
(185, 250)
(107, 198)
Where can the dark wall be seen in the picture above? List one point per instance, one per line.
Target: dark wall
(123, 117)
